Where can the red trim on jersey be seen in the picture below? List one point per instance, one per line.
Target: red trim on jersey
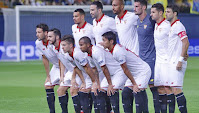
(160, 22)
(131, 52)
(82, 26)
(99, 19)
(122, 15)
(182, 34)
(57, 48)
(72, 53)
(90, 51)
(45, 44)
(112, 49)
(175, 22)
(103, 65)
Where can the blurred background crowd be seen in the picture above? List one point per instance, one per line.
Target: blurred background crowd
(185, 5)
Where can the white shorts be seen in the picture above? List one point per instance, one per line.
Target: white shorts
(118, 81)
(141, 79)
(161, 74)
(54, 76)
(87, 80)
(67, 79)
(176, 77)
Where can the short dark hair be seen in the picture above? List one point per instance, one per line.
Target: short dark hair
(142, 2)
(81, 11)
(98, 4)
(174, 8)
(43, 26)
(56, 32)
(86, 40)
(68, 38)
(158, 6)
(110, 36)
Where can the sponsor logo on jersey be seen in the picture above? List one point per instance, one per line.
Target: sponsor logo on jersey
(145, 26)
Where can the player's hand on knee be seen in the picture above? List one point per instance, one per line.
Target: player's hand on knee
(74, 84)
(95, 88)
(83, 85)
(110, 90)
(48, 80)
(179, 66)
(136, 88)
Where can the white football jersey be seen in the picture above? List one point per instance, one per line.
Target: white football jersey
(101, 26)
(78, 59)
(176, 35)
(161, 35)
(135, 64)
(104, 57)
(60, 54)
(47, 50)
(85, 30)
(127, 31)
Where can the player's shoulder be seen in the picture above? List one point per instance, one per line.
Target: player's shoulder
(106, 17)
(94, 21)
(38, 42)
(88, 25)
(119, 48)
(165, 24)
(74, 26)
(78, 53)
(96, 49)
(178, 24)
(131, 14)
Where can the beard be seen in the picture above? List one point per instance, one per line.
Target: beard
(53, 42)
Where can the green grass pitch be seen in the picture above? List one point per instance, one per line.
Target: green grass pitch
(22, 88)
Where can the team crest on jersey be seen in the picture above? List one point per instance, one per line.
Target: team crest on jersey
(160, 29)
(125, 21)
(75, 31)
(101, 25)
(137, 26)
(43, 48)
(145, 26)
(84, 31)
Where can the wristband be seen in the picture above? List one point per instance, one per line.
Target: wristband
(181, 59)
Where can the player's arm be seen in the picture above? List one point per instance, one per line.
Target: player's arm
(91, 74)
(108, 78)
(79, 72)
(62, 70)
(47, 68)
(130, 76)
(185, 46)
(97, 75)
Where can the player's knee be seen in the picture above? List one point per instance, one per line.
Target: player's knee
(49, 87)
(73, 91)
(85, 90)
(168, 89)
(61, 90)
(177, 90)
(161, 90)
(151, 85)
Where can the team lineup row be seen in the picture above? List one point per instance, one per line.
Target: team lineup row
(152, 52)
